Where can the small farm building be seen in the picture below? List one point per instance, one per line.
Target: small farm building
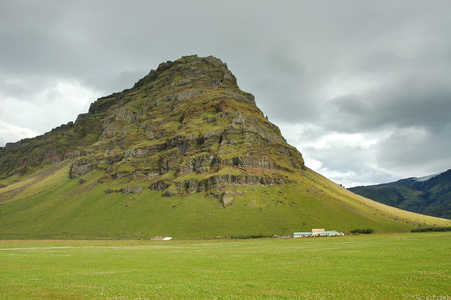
(329, 233)
(316, 232)
(301, 234)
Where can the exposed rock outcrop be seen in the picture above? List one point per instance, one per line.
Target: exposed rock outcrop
(81, 167)
(218, 182)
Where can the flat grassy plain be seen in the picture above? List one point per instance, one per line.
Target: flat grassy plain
(385, 266)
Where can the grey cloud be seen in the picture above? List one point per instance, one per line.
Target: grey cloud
(415, 151)
(349, 165)
(414, 102)
(115, 82)
(286, 86)
(351, 105)
(420, 103)
(24, 87)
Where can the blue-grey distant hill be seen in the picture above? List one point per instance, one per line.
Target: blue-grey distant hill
(429, 195)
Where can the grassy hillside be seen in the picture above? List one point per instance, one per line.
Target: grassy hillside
(48, 204)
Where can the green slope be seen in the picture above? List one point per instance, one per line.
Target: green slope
(49, 204)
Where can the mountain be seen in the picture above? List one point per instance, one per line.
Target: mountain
(429, 195)
(183, 153)
(185, 127)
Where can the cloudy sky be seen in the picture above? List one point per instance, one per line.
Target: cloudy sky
(361, 88)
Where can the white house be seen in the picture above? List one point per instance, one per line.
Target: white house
(329, 233)
(301, 234)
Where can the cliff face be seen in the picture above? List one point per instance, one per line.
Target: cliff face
(184, 128)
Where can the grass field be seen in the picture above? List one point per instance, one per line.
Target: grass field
(387, 266)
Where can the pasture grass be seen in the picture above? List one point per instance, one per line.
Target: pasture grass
(386, 266)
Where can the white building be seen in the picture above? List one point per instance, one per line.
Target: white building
(329, 233)
(317, 232)
(302, 234)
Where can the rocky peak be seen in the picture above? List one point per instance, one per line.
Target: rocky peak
(190, 70)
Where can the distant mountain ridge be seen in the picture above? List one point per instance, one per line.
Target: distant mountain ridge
(429, 195)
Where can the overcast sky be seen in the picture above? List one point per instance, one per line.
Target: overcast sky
(361, 88)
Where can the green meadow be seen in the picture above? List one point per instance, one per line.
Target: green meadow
(382, 266)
